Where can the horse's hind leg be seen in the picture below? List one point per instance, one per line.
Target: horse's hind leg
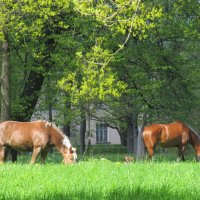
(181, 150)
(150, 143)
(36, 151)
(2, 154)
(150, 149)
(151, 152)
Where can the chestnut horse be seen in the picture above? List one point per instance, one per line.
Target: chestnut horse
(38, 137)
(175, 134)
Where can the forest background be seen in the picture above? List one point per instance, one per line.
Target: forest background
(136, 60)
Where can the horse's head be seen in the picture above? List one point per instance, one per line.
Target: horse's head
(198, 153)
(70, 155)
(198, 158)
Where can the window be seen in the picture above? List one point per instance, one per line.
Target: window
(101, 133)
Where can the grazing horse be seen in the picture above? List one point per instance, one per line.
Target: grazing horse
(38, 137)
(175, 134)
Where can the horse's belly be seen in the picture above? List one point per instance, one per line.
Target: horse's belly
(20, 144)
(167, 145)
(170, 143)
(20, 147)
(21, 141)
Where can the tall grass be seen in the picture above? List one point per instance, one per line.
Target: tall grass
(97, 178)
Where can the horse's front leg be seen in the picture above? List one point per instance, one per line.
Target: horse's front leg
(36, 151)
(13, 155)
(44, 155)
(181, 150)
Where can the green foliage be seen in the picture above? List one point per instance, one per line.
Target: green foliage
(93, 77)
(159, 68)
(133, 56)
(97, 80)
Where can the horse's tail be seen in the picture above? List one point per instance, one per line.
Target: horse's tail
(141, 148)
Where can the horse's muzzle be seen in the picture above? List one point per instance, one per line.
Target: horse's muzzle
(75, 156)
(198, 158)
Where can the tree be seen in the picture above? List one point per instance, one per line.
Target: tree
(134, 57)
(144, 47)
(31, 28)
(5, 80)
(5, 69)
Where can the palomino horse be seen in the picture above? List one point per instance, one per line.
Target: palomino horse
(38, 136)
(175, 134)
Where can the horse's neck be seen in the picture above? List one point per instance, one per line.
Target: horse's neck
(56, 137)
(195, 141)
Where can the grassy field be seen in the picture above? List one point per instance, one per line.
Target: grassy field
(102, 176)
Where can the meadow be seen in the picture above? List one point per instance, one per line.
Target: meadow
(102, 175)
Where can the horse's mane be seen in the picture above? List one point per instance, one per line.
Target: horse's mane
(50, 124)
(65, 140)
(194, 132)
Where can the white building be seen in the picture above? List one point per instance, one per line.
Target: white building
(97, 132)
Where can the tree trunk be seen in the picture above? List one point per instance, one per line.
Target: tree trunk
(29, 96)
(132, 133)
(50, 112)
(34, 82)
(130, 136)
(123, 139)
(141, 150)
(82, 134)
(67, 125)
(5, 81)
(66, 130)
(135, 133)
(48, 99)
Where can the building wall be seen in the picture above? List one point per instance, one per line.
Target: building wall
(113, 136)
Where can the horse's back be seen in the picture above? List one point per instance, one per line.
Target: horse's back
(22, 135)
(23, 127)
(166, 135)
(176, 129)
(176, 133)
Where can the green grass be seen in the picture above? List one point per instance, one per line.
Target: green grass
(97, 179)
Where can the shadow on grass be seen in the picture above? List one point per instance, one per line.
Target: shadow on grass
(138, 193)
